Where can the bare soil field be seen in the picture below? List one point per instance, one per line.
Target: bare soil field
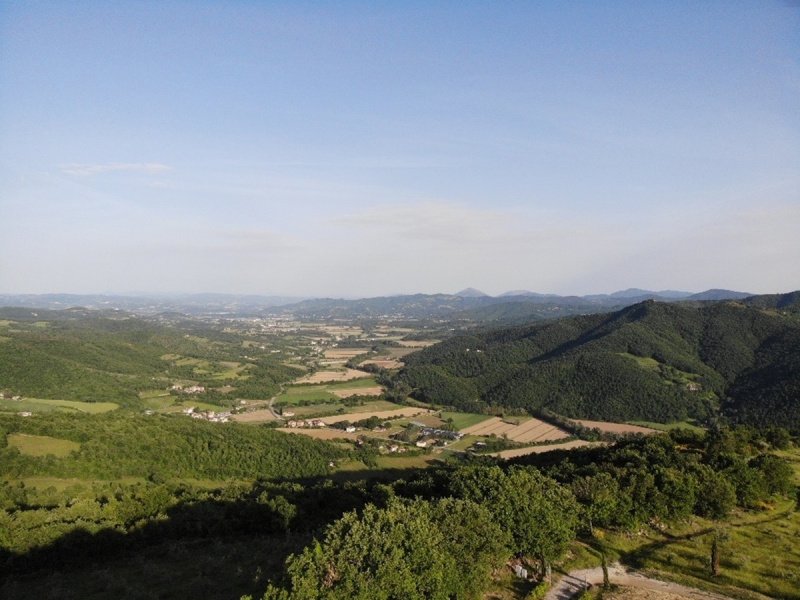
(531, 430)
(540, 449)
(326, 376)
(406, 411)
(363, 391)
(608, 427)
(322, 433)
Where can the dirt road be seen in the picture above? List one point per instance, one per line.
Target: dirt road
(572, 583)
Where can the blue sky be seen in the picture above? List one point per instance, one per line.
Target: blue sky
(367, 148)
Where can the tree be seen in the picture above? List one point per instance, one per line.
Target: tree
(405, 550)
(539, 514)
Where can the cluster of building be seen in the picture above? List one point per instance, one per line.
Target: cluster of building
(208, 415)
(307, 423)
(192, 389)
(443, 434)
(9, 396)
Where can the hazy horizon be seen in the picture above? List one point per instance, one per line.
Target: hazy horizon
(360, 150)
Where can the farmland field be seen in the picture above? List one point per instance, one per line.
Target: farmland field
(464, 420)
(294, 394)
(407, 411)
(326, 376)
(42, 445)
(607, 427)
(529, 430)
(515, 452)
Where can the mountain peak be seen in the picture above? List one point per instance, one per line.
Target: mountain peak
(471, 293)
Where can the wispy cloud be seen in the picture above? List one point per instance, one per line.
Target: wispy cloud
(87, 170)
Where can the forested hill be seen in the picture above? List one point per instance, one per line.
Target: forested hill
(651, 361)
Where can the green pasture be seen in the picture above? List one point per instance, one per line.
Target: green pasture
(41, 445)
(46, 405)
(464, 420)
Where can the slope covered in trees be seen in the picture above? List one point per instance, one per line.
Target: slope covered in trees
(111, 356)
(651, 361)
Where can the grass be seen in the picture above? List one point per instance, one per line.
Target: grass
(46, 405)
(759, 549)
(41, 445)
(295, 394)
(464, 420)
(759, 552)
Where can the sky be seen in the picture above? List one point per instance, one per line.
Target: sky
(375, 148)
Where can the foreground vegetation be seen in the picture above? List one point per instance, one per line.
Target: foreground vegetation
(136, 502)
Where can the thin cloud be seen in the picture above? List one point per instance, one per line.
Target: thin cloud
(84, 170)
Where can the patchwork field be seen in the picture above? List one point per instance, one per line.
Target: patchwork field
(530, 430)
(608, 427)
(417, 343)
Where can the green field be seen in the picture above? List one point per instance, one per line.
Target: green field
(464, 420)
(295, 394)
(326, 410)
(44, 405)
(41, 445)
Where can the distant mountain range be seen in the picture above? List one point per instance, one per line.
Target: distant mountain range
(469, 304)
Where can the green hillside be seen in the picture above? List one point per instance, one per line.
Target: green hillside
(103, 357)
(652, 361)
